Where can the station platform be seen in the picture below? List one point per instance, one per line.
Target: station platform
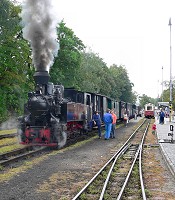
(166, 140)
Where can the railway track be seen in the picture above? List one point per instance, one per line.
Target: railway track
(121, 176)
(18, 154)
(11, 135)
(8, 133)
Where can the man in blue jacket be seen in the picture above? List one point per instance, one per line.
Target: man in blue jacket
(96, 118)
(107, 118)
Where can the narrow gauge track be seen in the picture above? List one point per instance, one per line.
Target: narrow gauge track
(18, 154)
(117, 179)
(11, 135)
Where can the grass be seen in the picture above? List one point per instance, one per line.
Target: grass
(1, 167)
(10, 148)
(3, 132)
(8, 141)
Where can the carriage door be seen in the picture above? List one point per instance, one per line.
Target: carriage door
(109, 103)
(89, 107)
(104, 105)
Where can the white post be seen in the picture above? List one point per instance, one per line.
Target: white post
(170, 103)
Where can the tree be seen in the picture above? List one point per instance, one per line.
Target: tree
(166, 94)
(14, 61)
(123, 86)
(91, 74)
(69, 57)
(144, 99)
(94, 76)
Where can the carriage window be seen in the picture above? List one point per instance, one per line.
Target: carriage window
(79, 98)
(88, 100)
(149, 108)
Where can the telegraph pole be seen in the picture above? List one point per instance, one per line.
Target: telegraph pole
(170, 103)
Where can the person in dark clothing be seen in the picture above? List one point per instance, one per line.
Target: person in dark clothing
(162, 116)
(97, 121)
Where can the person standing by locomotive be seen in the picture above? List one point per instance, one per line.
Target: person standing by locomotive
(107, 118)
(97, 121)
(114, 120)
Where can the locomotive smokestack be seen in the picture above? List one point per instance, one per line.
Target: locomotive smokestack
(41, 77)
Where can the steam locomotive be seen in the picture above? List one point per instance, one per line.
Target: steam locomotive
(53, 114)
(43, 122)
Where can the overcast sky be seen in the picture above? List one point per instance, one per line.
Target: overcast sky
(134, 33)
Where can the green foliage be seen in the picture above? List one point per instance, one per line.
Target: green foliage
(94, 76)
(91, 73)
(144, 99)
(122, 88)
(68, 59)
(166, 94)
(14, 61)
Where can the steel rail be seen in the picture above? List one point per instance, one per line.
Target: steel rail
(11, 135)
(128, 175)
(134, 161)
(109, 161)
(15, 152)
(110, 171)
(140, 164)
(5, 162)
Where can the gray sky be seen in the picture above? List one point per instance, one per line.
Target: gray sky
(132, 33)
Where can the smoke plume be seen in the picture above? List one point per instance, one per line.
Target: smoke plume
(40, 22)
(11, 123)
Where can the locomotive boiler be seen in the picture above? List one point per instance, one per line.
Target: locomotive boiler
(44, 121)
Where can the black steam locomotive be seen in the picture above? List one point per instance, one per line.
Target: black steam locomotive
(43, 122)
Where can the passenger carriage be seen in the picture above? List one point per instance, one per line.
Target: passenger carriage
(149, 110)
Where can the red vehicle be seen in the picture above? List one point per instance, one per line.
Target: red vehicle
(149, 110)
